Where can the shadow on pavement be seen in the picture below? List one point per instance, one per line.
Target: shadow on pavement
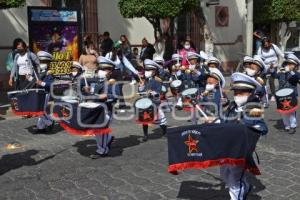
(88, 147)
(278, 125)
(199, 190)
(56, 129)
(14, 161)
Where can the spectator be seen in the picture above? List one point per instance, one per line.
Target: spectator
(11, 54)
(24, 68)
(126, 47)
(258, 36)
(106, 44)
(147, 51)
(135, 60)
(271, 55)
(183, 52)
(88, 59)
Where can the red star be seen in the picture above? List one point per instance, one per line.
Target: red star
(146, 116)
(286, 104)
(192, 144)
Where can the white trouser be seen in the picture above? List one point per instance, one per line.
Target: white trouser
(102, 142)
(161, 120)
(235, 179)
(290, 120)
(44, 120)
(179, 102)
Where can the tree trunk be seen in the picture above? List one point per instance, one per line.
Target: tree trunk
(284, 34)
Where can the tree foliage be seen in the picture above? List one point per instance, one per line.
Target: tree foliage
(266, 11)
(154, 10)
(4, 4)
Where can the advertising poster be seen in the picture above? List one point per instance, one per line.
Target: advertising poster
(57, 32)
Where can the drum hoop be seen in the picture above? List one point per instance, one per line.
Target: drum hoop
(196, 90)
(282, 90)
(95, 105)
(25, 91)
(147, 99)
(175, 81)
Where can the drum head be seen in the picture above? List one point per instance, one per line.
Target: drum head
(164, 89)
(176, 83)
(89, 105)
(189, 91)
(284, 92)
(69, 99)
(143, 103)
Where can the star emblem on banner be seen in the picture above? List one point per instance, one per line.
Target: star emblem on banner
(192, 144)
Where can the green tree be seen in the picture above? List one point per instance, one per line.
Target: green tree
(266, 11)
(278, 12)
(155, 10)
(5, 4)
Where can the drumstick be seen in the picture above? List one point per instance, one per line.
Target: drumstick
(35, 75)
(202, 112)
(221, 93)
(85, 81)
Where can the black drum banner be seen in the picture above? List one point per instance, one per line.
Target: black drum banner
(203, 146)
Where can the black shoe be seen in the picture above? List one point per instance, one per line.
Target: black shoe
(145, 138)
(293, 131)
(98, 155)
(44, 130)
(110, 142)
(50, 128)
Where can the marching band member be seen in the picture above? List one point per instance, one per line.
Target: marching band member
(153, 88)
(121, 65)
(103, 90)
(213, 92)
(289, 78)
(45, 123)
(198, 73)
(76, 70)
(244, 88)
(176, 74)
(256, 68)
(214, 62)
(164, 75)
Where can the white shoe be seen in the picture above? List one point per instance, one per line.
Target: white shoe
(273, 99)
(133, 82)
(122, 111)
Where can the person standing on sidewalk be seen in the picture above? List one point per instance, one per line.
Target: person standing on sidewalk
(271, 55)
(24, 67)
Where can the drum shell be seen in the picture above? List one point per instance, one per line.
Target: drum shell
(59, 89)
(28, 101)
(90, 118)
(145, 115)
(176, 90)
(291, 99)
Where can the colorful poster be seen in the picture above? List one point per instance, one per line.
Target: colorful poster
(60, 38)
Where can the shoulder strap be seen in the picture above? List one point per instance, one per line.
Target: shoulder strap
(275, 51)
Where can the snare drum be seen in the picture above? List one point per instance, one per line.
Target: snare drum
(188, 96)
(286, 100)
(59, 87)
(87, 118)
(28, 102)
(163, 93)
(176, 87)
(145, 110)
